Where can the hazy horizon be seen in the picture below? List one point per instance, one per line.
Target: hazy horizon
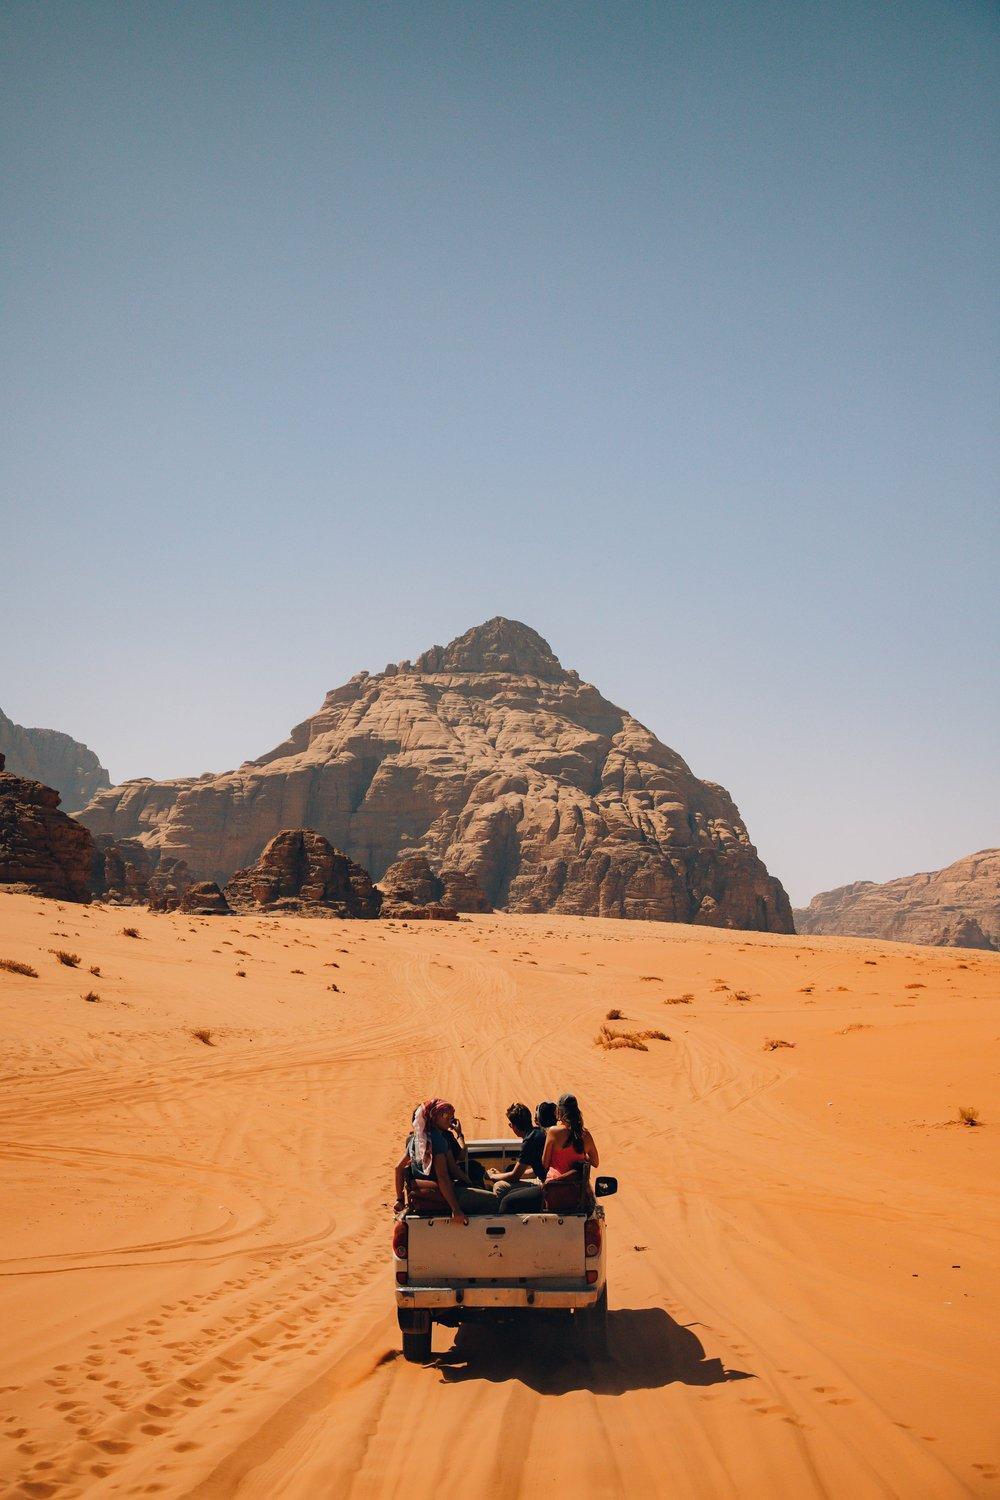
(671, 331)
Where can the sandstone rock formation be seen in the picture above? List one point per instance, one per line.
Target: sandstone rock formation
(204, 899)
(41, 849)
(121, 870)
(48, 756)
(410, 884)
(957, 907)
(125, 872)
(490, 759)
(300, 871)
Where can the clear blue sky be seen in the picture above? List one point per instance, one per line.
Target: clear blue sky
(333, 329)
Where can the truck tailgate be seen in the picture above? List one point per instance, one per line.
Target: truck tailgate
(537, 1247)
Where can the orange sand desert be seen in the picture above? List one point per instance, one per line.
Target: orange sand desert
(196, 1288)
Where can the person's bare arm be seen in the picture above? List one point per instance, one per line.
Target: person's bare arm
(514, 1174)
(401, 1167)
(549, 1147)
(444, 1182)
(591, 1150)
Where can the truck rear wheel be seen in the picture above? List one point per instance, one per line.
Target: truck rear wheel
(592, 1327)
(417, 1347)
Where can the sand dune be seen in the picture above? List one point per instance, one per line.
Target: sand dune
(194, 1279)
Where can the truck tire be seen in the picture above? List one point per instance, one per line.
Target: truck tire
(592, 1327)
(417, 1347)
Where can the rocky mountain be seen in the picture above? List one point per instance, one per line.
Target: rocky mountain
(48, 756)
(41, 849)
(489, 758)
(958, 907)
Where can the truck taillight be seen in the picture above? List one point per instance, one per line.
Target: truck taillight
(592, 1236)
(401, 1240)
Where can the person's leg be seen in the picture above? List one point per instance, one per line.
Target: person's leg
(476, 1200)
(524, 1200)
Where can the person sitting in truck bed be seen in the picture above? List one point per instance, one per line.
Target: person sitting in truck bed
(431, 1160)
(528, 1199)
(569, 1145)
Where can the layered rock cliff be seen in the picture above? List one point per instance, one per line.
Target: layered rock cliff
(41, 849)
(957, 907)
(54, 759)
(489, 758)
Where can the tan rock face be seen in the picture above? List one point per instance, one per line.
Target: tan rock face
(957, 907)
(54, 759)
(300, 871)
(491, 760)
(41, 848)
(204, 899)
(411, 883)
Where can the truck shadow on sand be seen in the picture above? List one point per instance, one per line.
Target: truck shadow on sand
(646, 1349)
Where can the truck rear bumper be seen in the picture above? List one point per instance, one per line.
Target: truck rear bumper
(495, 1296)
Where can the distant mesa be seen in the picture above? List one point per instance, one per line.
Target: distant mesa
(488, 758)
(299, 872)
(957, 907)
(55, 760)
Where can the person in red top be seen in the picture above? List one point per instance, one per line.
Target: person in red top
(568, 1145)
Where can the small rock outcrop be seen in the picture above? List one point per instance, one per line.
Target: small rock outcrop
(463, 892)
(42, 850)
(300, 872)
(204, 899)
(54, 759)
(411, 888)
(121, 870)
(957, 907)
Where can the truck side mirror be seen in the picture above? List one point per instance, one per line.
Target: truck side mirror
(604, 1187)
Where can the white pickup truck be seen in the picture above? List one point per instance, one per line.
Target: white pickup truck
(503, 1264)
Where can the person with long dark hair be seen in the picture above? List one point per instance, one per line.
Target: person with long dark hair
(569, 1147)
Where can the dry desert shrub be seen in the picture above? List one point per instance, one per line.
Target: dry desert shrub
(635, 1041)
(651, 978)
(130, 932)
(614, 1014)
(241, 973)
(203, 1035)
(742, 995)
(915, 986)
(685, 999)
(95, 969)
(854, 1026)
(807, 989)
(968, 1115)
(69, 959)
(616, 1040)
(14, 966)
(772, 1044)
(298, 971)
(92, 997)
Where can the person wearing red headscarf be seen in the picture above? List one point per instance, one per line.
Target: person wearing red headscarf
(429, 1157)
